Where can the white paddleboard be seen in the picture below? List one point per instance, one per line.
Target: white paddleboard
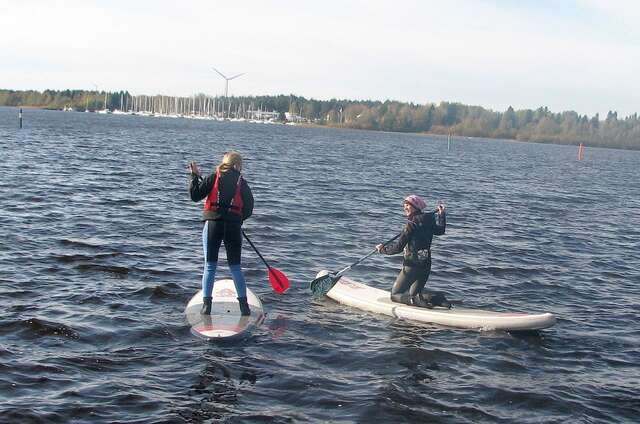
(225, 321)
(361, 296)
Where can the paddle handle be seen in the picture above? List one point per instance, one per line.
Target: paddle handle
(342, 271)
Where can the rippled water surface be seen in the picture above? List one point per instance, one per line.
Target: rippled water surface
(100, 252)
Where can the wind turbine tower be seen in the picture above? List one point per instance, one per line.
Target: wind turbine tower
(226, 84)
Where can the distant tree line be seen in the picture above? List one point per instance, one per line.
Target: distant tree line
(55, 99)
(539, 125)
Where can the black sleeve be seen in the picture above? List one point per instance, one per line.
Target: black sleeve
(398, 245)
(247, 200)
(438, 230)
(199, 187)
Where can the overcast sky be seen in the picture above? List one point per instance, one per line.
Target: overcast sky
(581, 55)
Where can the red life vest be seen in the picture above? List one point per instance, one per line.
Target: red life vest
(213, 199)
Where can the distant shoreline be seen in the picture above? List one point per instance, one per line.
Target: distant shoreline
(539, 126)
(454, 137)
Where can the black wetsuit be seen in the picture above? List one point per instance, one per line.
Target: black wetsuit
(415, 239)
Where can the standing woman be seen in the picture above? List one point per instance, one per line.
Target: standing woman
(416, 239)
(229, 202)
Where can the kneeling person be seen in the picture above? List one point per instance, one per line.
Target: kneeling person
(415, 240)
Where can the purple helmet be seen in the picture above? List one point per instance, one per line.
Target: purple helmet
(415, 201)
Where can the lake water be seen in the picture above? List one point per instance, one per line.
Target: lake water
(100, 252)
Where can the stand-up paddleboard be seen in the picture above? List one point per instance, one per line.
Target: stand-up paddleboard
(225, 321)
(361, 296)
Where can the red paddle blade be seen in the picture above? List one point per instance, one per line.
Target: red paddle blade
(278, 280)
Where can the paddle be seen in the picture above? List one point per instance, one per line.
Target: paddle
(321, 285)
(279, 281)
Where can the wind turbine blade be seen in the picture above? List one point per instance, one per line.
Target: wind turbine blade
(236, 76)
(219, 73)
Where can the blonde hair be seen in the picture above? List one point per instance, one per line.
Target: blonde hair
(229, 160)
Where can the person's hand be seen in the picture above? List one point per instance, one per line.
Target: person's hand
(193, 168)
(440, 209)
(379, 248)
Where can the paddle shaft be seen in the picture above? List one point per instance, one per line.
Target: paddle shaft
(256, 250)
(342, 271)
(278, 280)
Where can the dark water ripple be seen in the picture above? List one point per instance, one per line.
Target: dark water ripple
(99, 253)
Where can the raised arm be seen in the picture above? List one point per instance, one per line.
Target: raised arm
(440, 225)
(199, 187)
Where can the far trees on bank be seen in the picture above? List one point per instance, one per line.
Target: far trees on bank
(539, 125)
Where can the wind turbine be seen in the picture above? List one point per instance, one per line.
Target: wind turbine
(226, 84)
(227, 79)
